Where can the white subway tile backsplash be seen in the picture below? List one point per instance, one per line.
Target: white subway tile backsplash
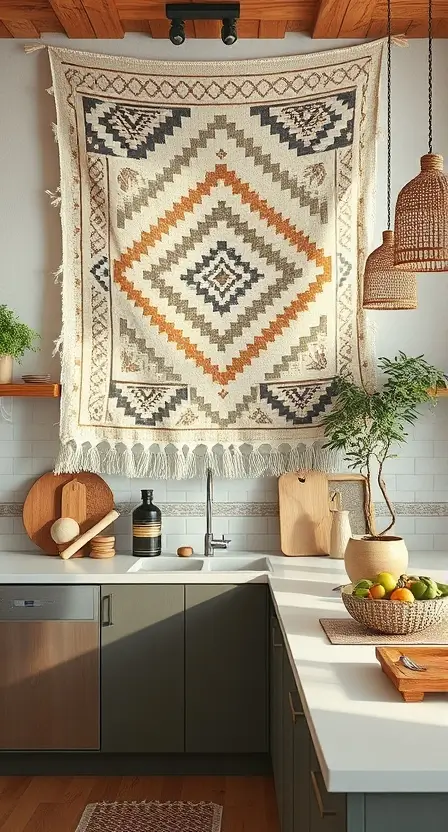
(44, 447)
(22, 465)
(399, 465)
(6, 525)
(6, 431)
(420, 542)
(196, 541)
(14, 448)
(36, 431)
(404, 526)
(441, 482)
(441, 543)
(431, 497)
(7, 465)
(414, 482)
(403, 496)
(436, 465)
(416, 448)
(263, 543)
(431, 525)
(42, 464)
(248, 525)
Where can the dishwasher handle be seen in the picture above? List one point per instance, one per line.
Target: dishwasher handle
(107, 611)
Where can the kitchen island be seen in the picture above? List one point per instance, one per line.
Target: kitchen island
(368, 741)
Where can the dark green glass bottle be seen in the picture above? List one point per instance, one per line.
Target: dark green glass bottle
(147, 528)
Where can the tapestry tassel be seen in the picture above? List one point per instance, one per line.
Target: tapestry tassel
(238, 464)
(55, 197)
(50, 91)
(54, 128)
(93, 460)
(143, 464)
(257, 463)
(34, 47)
(58, 274)
(111, 462)
(191, 469)
(277, 463)
(179, 465)
(127, 463)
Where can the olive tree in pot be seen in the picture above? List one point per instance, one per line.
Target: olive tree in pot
(367, 426)
(15, 339)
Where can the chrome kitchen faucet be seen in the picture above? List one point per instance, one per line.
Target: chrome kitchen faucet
(210, 544)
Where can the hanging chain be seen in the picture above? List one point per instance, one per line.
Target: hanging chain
(430, 76)
(389, 110)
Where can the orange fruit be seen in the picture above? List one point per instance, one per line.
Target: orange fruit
(377, 591)
(402, 595)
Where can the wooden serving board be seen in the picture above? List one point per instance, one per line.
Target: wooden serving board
(304, 507)
(74, 505)
(413, 684)
(43, 505)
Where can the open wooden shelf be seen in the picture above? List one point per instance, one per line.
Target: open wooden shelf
(52, 390)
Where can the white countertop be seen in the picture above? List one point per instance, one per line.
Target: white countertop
(366, 737)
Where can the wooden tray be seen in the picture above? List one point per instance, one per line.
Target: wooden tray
(413, 684)
(304, 507)
(43, 505)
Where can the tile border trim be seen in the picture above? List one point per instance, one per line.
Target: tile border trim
(249, 509)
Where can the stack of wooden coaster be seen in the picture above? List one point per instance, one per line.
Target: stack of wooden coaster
(102, 547)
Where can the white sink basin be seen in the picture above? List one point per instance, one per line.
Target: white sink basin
(236, 564)
(162, 564)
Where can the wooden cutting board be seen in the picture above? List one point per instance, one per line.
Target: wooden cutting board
(413, 684)
(304, 513)
(43, 505)
(74, 505)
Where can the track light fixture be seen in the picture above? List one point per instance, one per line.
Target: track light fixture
(177, 32)
(229, 34)
(228, 13)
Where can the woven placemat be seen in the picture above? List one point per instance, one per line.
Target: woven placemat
(348, 631)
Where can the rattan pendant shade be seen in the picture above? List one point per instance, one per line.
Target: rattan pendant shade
(421, 219)
(385, 285)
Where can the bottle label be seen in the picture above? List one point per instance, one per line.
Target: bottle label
(146, 530)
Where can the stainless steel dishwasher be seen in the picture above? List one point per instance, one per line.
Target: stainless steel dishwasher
(50, 668)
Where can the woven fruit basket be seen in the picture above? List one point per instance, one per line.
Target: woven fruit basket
(394, 617)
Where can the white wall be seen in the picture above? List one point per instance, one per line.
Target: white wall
(30, 252)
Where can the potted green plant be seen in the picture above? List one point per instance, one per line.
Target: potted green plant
(367, 426)
(15, 339)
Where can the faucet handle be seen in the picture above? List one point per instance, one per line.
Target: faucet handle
(225, 539)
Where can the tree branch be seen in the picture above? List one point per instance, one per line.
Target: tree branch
(383, 490)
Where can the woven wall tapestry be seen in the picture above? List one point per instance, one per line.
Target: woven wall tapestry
(214, 231)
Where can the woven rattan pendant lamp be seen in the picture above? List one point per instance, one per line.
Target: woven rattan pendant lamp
(421, 212)
(386, 286)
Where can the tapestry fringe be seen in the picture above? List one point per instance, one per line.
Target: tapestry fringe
(182, 463)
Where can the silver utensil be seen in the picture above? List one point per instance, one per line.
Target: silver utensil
(411, 665)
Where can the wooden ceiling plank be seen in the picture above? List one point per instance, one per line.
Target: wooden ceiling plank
(250, 9)
(22, 29)
(73, 17)
(248, 28)
(207, 28)
(136, 26)
(47, 22)
(159, 29)
(104, 17)
(330, 17)
(272, 29)
(4, 32)
(357, 19)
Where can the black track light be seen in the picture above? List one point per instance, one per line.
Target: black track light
(229, 34)
(177, 32)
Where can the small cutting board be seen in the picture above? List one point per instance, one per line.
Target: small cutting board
(304, 513)
(413, 684)
(43, 505)
(74, 505)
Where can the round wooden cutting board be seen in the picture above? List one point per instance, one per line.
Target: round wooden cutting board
(43, 505)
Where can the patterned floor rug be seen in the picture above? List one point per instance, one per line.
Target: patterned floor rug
(151, 817)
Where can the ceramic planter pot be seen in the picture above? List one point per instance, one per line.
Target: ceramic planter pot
(366, 556)
(6, 362)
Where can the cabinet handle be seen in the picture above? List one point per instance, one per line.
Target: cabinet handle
(324, 813)
(274, 642)
(294, 713)
(106, 611)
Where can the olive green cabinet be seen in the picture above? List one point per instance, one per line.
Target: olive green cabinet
(276, 707)
(226, 668)
(142, 668)
(327, 811)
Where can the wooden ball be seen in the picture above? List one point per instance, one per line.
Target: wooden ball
(64, 530)
(185, 551)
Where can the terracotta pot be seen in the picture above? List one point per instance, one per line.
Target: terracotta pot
(6, 362)
(366, 556)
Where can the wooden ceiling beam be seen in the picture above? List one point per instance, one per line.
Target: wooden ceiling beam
(104, 17)
(4, 33)
(73, 17)
(22, 29)
(357, 19)
(329, 19)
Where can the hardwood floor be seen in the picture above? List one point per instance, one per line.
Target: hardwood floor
(55, 804)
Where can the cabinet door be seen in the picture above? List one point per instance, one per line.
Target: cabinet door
(226, 668)
(287, 807)
(142, 668)
(328, 811)
(276, 709)
(301, 764)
